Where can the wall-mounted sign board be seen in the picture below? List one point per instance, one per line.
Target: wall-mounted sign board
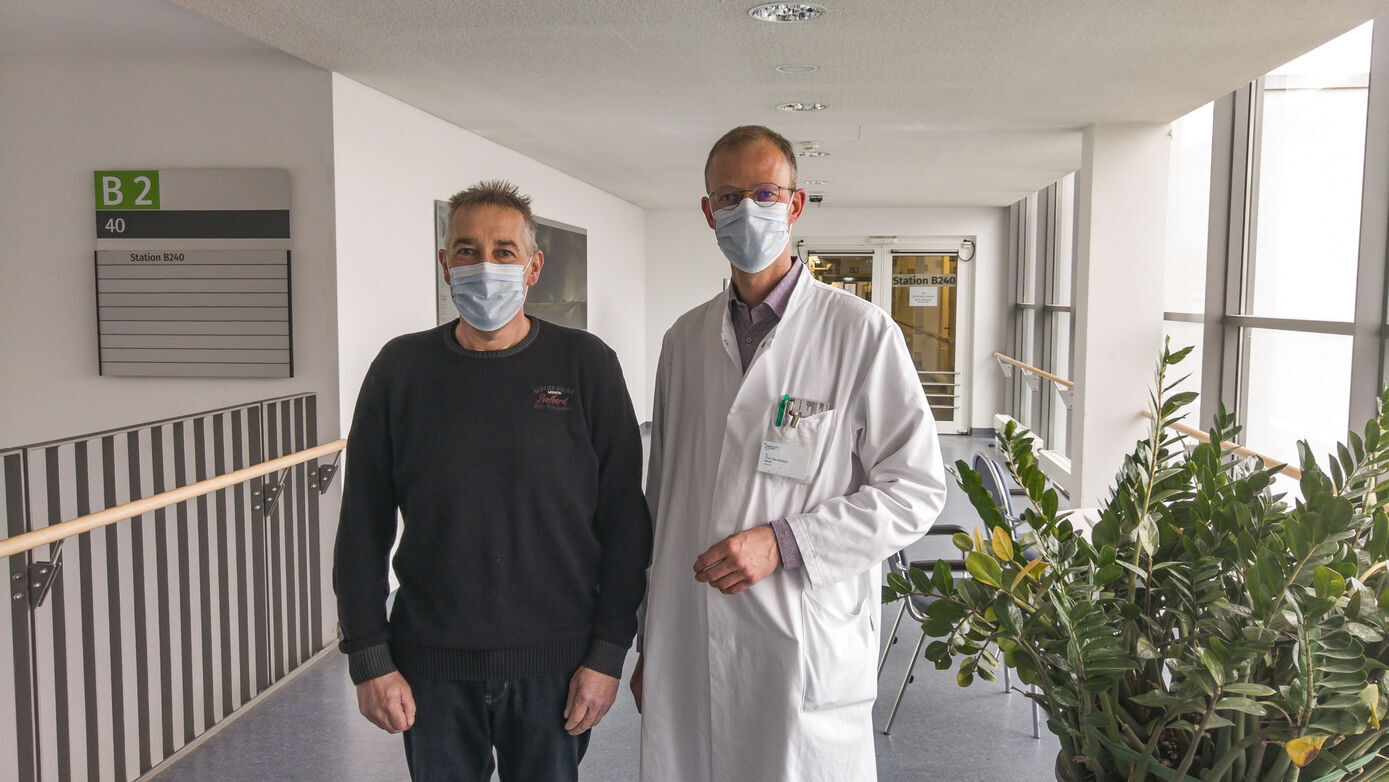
(924, 295)
(192, 273)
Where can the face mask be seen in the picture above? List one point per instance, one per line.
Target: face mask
(488, 295)
(752, 236)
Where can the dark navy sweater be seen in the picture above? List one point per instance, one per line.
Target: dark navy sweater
(518, 476)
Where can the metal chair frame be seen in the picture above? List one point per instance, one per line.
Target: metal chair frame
(996, 486)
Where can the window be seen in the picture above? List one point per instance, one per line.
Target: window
(1299, 275)
(1188, 211)
(1311, 157)
(1265, 189)
(1188, 218)
(1042, 259)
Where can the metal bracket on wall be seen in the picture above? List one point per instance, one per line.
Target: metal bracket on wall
(322, 477)
(269, 493)
(1005, 367)
(1067, 395)
(41, 578)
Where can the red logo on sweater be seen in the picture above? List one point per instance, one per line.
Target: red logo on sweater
(553, 397)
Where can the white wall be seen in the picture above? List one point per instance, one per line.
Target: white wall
(63, 117)
(685, 268)
(1121, 209)
(392, 162)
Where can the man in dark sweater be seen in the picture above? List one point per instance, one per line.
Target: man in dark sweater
(510, 448)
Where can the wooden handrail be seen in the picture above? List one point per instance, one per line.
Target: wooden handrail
(1060, 381)
(66, 529)
(1268, 461)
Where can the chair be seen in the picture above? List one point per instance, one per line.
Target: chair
(1001, 490)
(898, 563)
(996, 485)
(916, 607)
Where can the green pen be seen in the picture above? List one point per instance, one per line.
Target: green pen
(781, 408)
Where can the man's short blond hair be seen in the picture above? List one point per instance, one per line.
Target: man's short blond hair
(745, 136)
(496, 192)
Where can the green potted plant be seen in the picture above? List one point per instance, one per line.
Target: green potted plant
(1205, 629)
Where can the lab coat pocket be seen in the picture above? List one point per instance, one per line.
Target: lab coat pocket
(838, 653)
(796, 452)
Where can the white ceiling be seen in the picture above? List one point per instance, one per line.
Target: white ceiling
(80, 27)
(931, 102)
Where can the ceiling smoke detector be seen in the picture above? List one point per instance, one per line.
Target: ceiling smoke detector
(786, 12)
(801, 107)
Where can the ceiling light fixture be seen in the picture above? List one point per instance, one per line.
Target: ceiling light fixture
(786, 12)
(812, 153)
(815, 181)
(801, 106)
(797, 68)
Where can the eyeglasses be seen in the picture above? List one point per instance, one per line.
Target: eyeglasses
(764, 194)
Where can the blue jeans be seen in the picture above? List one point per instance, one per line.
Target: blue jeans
(458, 723)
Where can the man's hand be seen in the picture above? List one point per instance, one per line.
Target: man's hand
(591, 694)
(739, 560)
(387, 702)
(636, 682)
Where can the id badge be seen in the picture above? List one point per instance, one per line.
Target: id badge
(794, 439)
(789, 459)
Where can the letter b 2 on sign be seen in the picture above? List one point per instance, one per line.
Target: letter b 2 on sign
(126, 189)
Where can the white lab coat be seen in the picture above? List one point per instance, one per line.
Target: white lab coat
(778, 682)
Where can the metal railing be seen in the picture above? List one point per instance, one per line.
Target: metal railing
(162, 576)
(1031, 370)
(56, 532)
(1269, 462)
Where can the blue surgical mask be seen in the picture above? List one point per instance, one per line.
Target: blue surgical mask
(488, 295)
(752, 236)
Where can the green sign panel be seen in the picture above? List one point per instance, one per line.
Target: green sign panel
(126, 189)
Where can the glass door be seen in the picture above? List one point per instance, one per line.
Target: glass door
(852, 272)
(920, 287)
(924, 307)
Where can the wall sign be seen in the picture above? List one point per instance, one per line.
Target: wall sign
(923, 296)
(907, 280)
(192, 272)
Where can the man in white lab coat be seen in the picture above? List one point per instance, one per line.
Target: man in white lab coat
(792, 451)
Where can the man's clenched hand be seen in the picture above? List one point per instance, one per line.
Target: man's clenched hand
(387, 702)
(739, 560)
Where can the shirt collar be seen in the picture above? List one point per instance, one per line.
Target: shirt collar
(780, 295)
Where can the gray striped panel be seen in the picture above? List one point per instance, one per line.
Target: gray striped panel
(160, 626)
(17, 759)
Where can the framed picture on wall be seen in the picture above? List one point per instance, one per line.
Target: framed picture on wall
(561, 294)
(443, 296)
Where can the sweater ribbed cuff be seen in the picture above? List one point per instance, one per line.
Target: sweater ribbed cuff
(606, 658)
(786, 542)
(369, 663)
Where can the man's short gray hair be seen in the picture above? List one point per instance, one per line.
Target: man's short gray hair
(496, 192)
(747, 135)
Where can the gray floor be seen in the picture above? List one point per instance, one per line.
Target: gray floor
(310, 729)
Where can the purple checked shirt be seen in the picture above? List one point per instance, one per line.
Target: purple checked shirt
(750, 327)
